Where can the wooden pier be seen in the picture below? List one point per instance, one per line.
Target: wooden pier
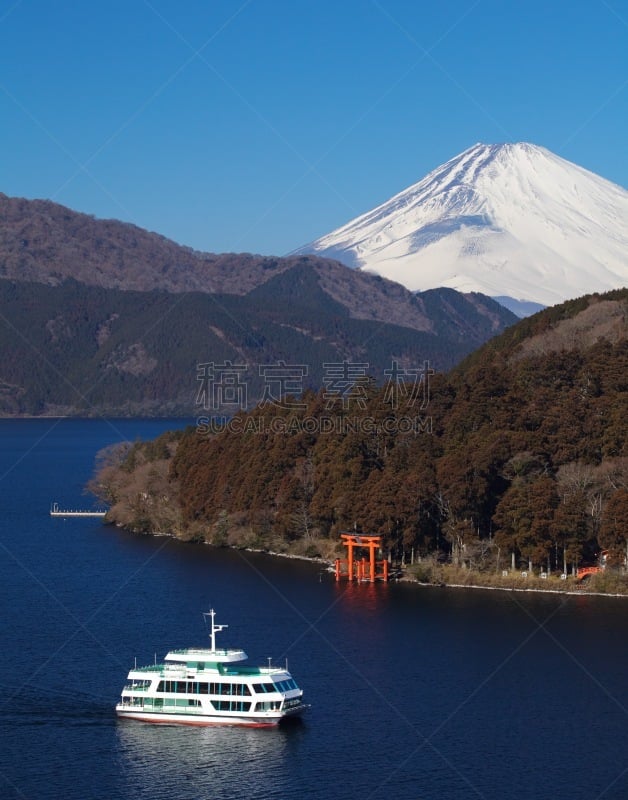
(55, 511)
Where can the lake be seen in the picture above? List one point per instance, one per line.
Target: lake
(415, 692)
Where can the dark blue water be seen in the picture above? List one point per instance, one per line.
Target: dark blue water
(415, 693)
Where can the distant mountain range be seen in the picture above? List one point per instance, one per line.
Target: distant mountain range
(513, 221)
(98, 316)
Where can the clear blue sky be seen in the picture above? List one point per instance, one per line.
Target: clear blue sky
(259, 125)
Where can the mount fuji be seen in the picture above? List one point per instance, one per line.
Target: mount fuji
(513, 221)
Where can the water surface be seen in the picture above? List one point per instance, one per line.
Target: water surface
(415, 693)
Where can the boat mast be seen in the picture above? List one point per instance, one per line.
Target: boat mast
(214, 629)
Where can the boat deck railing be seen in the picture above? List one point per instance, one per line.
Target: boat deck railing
(150, 668)
(189, 710)
(225, 669)
(168, 708)
(205, 653)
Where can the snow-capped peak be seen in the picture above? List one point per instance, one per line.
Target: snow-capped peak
(502, 219)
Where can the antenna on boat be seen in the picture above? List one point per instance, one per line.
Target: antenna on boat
(215, 628)
(269, 660)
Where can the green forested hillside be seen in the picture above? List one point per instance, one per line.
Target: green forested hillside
(518, 456)
(102, 317)
(77, 349)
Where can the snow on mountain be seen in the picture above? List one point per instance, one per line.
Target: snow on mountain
(509, 220)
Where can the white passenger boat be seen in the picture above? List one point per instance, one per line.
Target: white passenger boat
(207, 686)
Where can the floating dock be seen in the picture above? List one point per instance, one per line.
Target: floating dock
(55, 511)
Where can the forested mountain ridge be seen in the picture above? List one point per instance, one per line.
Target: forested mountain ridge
(117, 320)
(44, 242)
(84, 350)
(518, 456)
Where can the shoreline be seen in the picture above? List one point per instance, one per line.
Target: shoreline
(532, 589)
(404, 578)
(413, 581)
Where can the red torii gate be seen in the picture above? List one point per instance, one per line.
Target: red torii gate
(357, 569)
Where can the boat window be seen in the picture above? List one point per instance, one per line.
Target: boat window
(140, 685)
(231, 705)
(286, 686)
(241, 689)
(182, 687)
(264, 687)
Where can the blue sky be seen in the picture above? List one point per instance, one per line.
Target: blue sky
(259, 125)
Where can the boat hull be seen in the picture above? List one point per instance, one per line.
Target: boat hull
(206, 720)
